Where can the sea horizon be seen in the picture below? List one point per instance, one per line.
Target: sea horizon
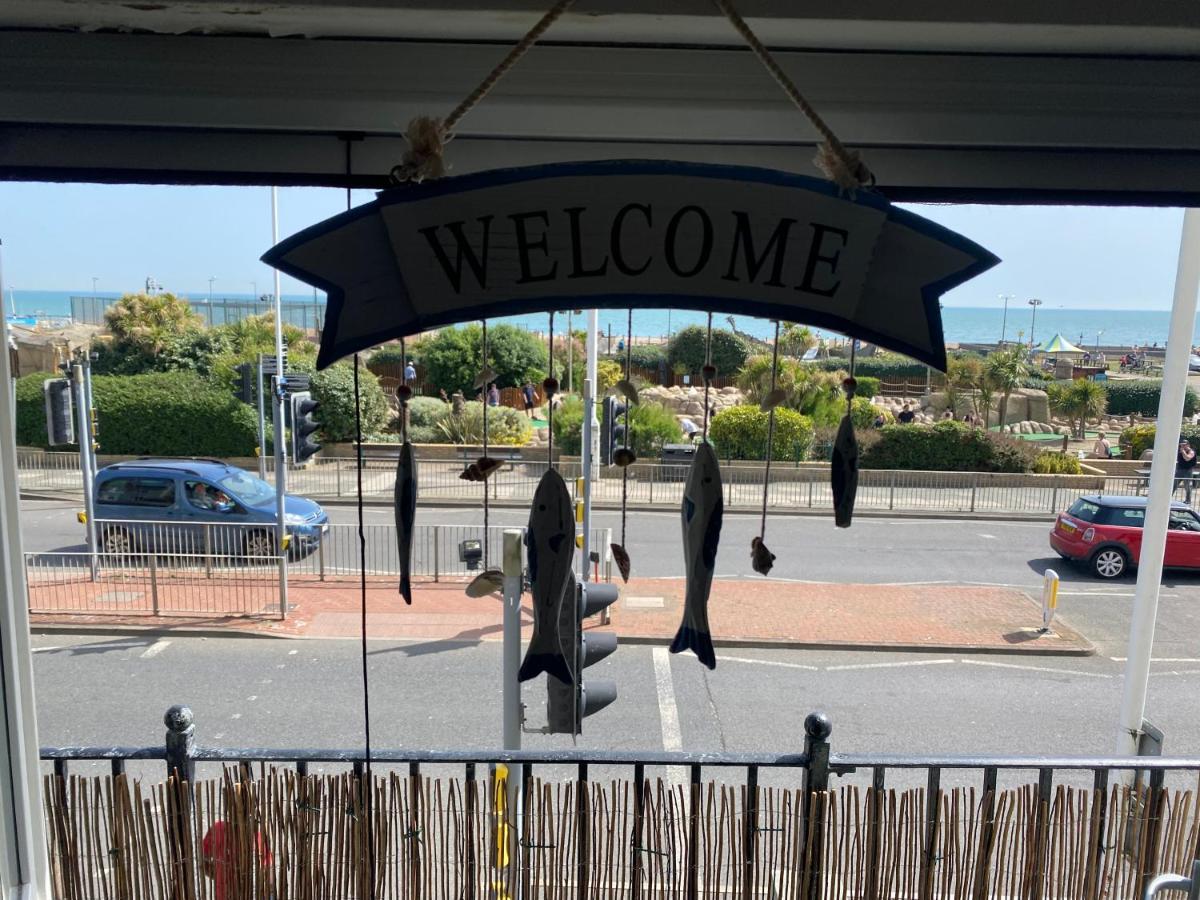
(1111, 327)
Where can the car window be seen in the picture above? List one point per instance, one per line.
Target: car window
(1082, 509)
(203, 495)
(1184, 520)
(1116, 515)
(155, 492)
(250, 489)
(118, 490)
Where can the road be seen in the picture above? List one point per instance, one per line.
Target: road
(874, 550)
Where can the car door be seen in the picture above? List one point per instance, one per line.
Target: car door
(211, 518)
(1183, 540)
(1124, 525)
(157, 504)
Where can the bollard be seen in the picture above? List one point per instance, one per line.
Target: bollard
(180, 746)
(1049, 599)
(817, 729)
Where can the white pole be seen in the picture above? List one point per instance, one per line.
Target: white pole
(586, 458)
(593, 358)
(83, 435)
(23, 863)
(512, 638)
(1162, 479)
(278, 396)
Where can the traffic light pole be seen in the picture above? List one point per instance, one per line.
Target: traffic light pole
(84, 434)
(511, 698)
(280, 491)
(262, 427)
(588, 429)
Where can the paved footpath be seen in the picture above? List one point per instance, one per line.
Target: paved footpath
(760, 612)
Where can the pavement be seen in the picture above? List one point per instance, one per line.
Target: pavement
(742, 613)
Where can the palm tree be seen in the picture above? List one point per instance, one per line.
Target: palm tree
(1079, 401)
(1007, 369)
(150, 320)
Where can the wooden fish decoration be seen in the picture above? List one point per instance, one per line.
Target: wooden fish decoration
(621, 558)
(405, 503)
(484, 378)
(772, 399)
(702, 512)
(844, 476)
(489, 581)
(480, 469)
(624, 456)
(761, 559)
(550, 551)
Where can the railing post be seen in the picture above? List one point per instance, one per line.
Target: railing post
(208, 551)
(337, 470)
(283, 591)
(321, 559)
(817, 729)
(154, 583)
(652, 467)
(437, 552)
(180, 742)
(974, 488)
(1054, 498)
(811, 485)
(892, 492)
(180, 746)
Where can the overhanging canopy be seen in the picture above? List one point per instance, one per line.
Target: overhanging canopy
(1060, 345)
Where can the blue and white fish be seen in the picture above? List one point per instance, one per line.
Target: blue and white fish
(405, 501)
(550, 552)
(703, 510)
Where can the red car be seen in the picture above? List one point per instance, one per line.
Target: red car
(1105, 533)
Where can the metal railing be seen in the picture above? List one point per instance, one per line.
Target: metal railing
(1080, 830)
(794, 487)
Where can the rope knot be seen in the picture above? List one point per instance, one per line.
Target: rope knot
(427, 138)
(844, 167)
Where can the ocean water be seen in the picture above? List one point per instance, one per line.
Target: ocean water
(1113, 327)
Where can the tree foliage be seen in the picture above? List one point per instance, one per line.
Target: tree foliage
(650, 426)
(1079, 401)
(740, 432)
(453, 357)
(148, 321)
(686, 352)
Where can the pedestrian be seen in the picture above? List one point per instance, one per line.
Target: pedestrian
(690, 429)
(493, 395)
(529, 395)
(220, 856)
(880, 421)
(410, 372)
(968, 419)
(1185, 463)
(1102, 449)
(948, 415)
(906, 416)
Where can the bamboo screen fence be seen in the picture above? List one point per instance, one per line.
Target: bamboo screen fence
(292, 836)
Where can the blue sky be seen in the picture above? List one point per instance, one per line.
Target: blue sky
(60, 236)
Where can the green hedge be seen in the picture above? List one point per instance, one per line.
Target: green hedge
(158, 414)
(947, 447)
(1140, 438)
(740, 432)
(1140, 397)
(650, 424)
(872, 367)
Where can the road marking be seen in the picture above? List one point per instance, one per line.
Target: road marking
(1000, 665)
(293, 652)
(156, 648)
(768, 662)
(890, 665)
(47, 649)
(1177, 672)
(990, 537)
(645, 602)
(1170, 659)
(668, 713)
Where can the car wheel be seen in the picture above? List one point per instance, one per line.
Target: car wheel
(260, 543)
(1109, 562)
(116, 541)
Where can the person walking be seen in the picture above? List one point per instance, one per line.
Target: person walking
(1185, 463)
(493, 395)
(529, 395)
(410, 373)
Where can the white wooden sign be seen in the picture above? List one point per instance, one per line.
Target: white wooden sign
(631, 234)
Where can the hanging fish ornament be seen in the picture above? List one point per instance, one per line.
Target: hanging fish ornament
(625, 388)
(405, 502)
(484, 378)
(761, 559)
(773, 399)
(480, 469)
(550, 552)
(702, 511)
(489, 581)
(624, 456)
(844, 477)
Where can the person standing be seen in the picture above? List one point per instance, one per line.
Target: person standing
(1102, 449)
(410, 373)
(493, 395)
(529, 395)
(1185, 464)
(906, 415)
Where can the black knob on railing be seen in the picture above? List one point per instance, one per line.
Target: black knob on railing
(179, 718)
(818, 726)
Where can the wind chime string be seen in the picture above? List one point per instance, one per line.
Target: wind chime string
(852, 383)
(628, 404)
(548, 388)
(762, 528)
(368, 779)
(405, 392)
(486, 403)
(707, 372)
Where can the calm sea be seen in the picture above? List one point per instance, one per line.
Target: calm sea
(1115, 327)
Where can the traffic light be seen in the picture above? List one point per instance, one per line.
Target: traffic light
(60, 411)
(245, 388)
(567, 705)
(304, 426)
(612, 429)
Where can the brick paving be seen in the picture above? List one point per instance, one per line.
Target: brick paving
(761, 612)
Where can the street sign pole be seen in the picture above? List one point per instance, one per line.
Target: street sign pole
(262, 425)
(83, 434)
(279, 395)
(588, 431)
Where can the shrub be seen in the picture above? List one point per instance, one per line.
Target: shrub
(333, 388)
(148, 321)
(426, 412)
(874, 366)
(506, 426)
(650, 426)
(389, 355)
(608, 373)
(740, 432)
(1048, 462)
(1140, 397)
(1140, 438)
(863, 413)
(868, 386)
(687, 350)
(946, 446)
(452, 358)
(648, 356)
(158, 414)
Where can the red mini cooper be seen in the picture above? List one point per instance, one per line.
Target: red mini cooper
(1105, 533)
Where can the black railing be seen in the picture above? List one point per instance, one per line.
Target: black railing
(180, 755)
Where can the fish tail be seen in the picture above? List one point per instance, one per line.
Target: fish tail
(699, 642)
(406, 588)
(550, 663)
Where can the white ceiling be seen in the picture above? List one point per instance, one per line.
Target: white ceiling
(1008, 100)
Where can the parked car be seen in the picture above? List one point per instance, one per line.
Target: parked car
(198, 506)
(1193, 363)
(1105, 534)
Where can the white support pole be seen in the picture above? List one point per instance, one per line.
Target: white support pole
(262, 418)
(24, 868)
(512, 638)
(1162, 481)
(587, 458)
(83, 433)
(278, 395)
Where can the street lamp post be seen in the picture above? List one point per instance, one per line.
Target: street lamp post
(1098, 333)
(95, 280)
(1004, 321)
(1035, 303)
(211, 279)
(254, 290)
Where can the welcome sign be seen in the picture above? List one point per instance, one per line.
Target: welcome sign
(635, 234)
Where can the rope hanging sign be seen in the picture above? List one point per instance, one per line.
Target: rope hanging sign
(434, 251)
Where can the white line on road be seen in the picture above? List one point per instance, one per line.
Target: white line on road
(1177, 672)
(769, 662)
(1171, 659)
(890, 665)
(1000, 665)
(668, 713)
(990, 537)
(156, 648)
(47, 649)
